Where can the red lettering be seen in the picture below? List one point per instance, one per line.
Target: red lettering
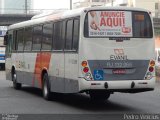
(109, 22)
(112, 14)
(103, 22)
(112, 22)
(115, 22)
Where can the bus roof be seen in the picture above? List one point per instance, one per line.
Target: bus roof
(65, 14)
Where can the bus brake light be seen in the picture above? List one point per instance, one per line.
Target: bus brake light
(86, 69)
(151, 69)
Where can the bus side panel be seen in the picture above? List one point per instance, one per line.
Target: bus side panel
(56, 72)
(71, 73)
(29, 68)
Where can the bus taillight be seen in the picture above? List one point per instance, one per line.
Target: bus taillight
(84, 63)
(152, 63)
(86, 69)
(151, 69)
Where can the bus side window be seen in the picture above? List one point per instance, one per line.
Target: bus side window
(75, 35)
(69, 35)
(20, 39)
(14, 40)
(37, 37)
(57, 39)
(63, 35)
(28, 39)
(9, 44)
(47, 36)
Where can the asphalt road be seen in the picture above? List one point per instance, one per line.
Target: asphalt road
(29, 101)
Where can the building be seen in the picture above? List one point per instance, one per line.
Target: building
(151, 5)
(15, 6)
(91, 3)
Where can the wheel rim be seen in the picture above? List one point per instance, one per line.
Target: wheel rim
(14, 79)
(45, 89)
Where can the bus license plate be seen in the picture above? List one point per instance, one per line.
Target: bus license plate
(119, 71)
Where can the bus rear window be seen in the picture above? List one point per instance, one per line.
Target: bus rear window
(142, 26)
(118, 24)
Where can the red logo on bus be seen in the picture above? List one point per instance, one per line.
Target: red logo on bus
(119, 51)
(126, 30)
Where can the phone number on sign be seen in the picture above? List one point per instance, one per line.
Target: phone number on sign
(104, 33)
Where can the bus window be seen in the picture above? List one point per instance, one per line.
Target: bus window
(63, 35)
(75, 34)
(20, 39)
(14, 41)
(47, 36)
(57, 41)
(142, 25)
(37, 36)
(69, 32)
(28, 39)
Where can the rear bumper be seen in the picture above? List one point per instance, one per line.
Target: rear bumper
(128, 86)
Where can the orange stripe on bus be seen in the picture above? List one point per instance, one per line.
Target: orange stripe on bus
(42, 61)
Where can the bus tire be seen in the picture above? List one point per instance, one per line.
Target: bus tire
(46, 87)
(16, 85)
(99, 95)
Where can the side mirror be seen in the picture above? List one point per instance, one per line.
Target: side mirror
(5, 39)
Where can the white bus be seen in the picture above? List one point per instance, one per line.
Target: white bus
(97, 50)
(2, 57)
(2, 51)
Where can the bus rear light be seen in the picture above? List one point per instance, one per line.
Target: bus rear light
(84, 63)
(152, 63)
(86, 69)
(151, 69)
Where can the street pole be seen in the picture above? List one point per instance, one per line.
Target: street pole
(26, 7)
(112, 2)
(70, 4)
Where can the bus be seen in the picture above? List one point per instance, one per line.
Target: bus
(96, 50)
(2, 53)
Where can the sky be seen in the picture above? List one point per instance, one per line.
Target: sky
(51, 4)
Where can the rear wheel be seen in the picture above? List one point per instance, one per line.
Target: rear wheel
(99, 95)
(16, 85)
(46, 87)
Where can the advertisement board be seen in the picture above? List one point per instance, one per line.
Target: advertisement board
(110, 24)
